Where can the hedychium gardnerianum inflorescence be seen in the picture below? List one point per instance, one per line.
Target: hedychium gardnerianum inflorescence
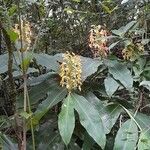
(70, 72)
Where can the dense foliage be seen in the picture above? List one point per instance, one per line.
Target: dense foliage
(74, 74)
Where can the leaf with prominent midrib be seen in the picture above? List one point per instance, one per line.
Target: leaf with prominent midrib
(66, 120)
(108, 113)
(54, 96)
(144, 141)
(90, 119)
(127, 136)
(120, 72)
(39, 91)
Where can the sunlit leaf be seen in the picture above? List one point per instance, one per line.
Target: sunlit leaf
(13, 35)
(144, 141)
(143, 120)
(127, 136)
(12, 10)
(25, 115)
(66, 120)
(90, 119)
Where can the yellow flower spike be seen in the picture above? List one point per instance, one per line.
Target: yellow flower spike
(98, 42)
(26, 34)
(70, 72)
(132, 51)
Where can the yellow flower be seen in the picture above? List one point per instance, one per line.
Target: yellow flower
(98, 41)
(25, 33)
(70, 71)
(132, 51)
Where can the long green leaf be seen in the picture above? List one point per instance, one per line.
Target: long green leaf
(54, 96)
(108, 113)
(89, 66)
(127, 136)
(66, 120)
(121, 73)
(39, 91)
(124, 29)
(90, 119)
(143, 120)
(144, 141)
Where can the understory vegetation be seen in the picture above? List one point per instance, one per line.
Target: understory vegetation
(74, 74)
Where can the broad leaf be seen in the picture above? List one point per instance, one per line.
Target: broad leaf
(108, 113)
(118, 32)
(127, 136)
(90, 119)
(143, 120)
(89, 66)
(121, 73)
(124, 29)
(66, 120)
(39, 91)
(55, 95)
(128, 26)
(37, 80)
(144, 141)
(110, 85)
(50, 62)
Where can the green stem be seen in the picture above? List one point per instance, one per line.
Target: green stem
(24, 78)
(31, 122)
